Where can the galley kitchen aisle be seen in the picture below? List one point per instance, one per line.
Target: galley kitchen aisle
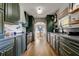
(39, 29)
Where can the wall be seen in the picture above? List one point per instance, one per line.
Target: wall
(22, 16)
(40, 20)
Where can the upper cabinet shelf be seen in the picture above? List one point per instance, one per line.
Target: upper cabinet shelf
(74, 8)
(74, 22)
(63, 13)
(74, 11)
(12, 12)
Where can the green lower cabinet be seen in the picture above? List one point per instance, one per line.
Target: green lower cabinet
(17, 46)
(23, 43)
(69, 47)
(2, 54)
(9, 52)
(6, 47)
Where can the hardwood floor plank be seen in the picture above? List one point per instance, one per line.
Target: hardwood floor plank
(40, 48)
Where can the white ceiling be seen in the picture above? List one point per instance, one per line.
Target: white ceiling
(48, 8)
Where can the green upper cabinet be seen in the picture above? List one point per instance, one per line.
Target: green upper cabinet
(8, 12)
(50, 23)
(1, 6)
(30, 23)
(1, 22)
(16, 11)
(12, 12)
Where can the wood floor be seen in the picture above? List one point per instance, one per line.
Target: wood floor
(39, 48)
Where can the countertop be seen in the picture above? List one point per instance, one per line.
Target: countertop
(12, 36)
(67, 36)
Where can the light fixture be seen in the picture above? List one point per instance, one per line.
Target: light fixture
(39, 10)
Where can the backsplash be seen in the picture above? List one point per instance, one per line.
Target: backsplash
(10, 29)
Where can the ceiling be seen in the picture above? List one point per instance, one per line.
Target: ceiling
(48, 8)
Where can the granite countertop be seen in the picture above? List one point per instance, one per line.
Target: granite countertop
(70, 37)
(12, 36)
(67, 36)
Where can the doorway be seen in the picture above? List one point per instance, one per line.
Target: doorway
(40, 31)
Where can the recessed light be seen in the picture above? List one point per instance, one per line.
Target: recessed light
(39, 10)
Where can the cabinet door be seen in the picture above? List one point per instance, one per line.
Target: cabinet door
(18, 45)
(9, 52)
(12, 12)
(69, 47)
(57, 43)
(1, 22)
(15, 11)
(1, 6)
(23, 45)
(8, 12)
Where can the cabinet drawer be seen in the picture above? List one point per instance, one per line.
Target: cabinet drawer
(69, 49)
(74, 48)
(65, 50)
(70, 41)
(62, 52)
(9, 52)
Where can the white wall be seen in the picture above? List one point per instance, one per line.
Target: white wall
(22, 16)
